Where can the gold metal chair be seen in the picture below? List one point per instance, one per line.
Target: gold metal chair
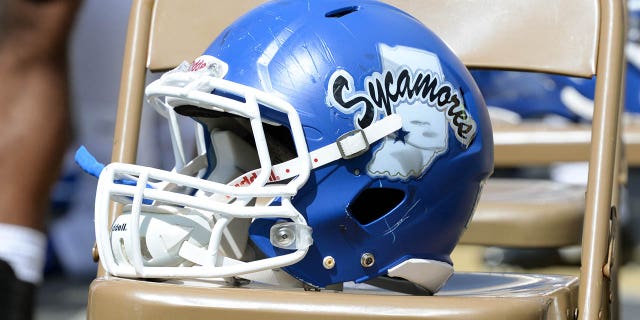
(573, 37)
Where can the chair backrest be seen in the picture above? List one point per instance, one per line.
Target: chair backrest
(516, 34)
(571, 37)
(473, 39)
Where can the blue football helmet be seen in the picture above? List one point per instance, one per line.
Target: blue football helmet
(340, 140)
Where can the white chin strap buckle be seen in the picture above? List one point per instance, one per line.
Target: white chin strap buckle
(352, 144)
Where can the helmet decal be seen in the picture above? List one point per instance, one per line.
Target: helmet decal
(413, 85)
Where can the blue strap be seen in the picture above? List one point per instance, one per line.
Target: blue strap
(88, 162)
(90, 165)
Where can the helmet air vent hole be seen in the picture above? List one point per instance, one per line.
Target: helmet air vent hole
(123, 251)
(145, 250)
(374, 203)
(338, 13)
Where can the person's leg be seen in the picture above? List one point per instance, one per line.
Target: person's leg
(34, 133)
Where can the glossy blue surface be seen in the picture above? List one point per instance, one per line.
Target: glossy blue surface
(292, 49)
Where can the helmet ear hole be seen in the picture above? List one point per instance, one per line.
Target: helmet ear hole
(374, 203)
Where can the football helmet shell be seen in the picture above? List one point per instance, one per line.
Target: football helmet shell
(389, 146)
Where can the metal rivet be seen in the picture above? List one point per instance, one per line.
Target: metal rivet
(328, 262)
(356, 172)
(285, 236)
(94, 253)
(367, 260)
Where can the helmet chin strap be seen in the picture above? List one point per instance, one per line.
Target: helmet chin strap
(349, 145)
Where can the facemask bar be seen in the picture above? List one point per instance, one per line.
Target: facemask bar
(195, 87)
(177, 142)
(246, 197)
(224, 202)
(220, 213)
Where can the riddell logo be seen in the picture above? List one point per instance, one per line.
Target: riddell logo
(197, 65)
(248, 179)
(119, 227)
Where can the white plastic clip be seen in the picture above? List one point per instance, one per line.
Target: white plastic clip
(352, 144)
(290, 235)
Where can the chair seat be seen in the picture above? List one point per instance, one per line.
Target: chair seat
(466, 295)
(527, 213)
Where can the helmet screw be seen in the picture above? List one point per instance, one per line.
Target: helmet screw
(95, 254)
(328, 262)
(285, 236)
(367, 260)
